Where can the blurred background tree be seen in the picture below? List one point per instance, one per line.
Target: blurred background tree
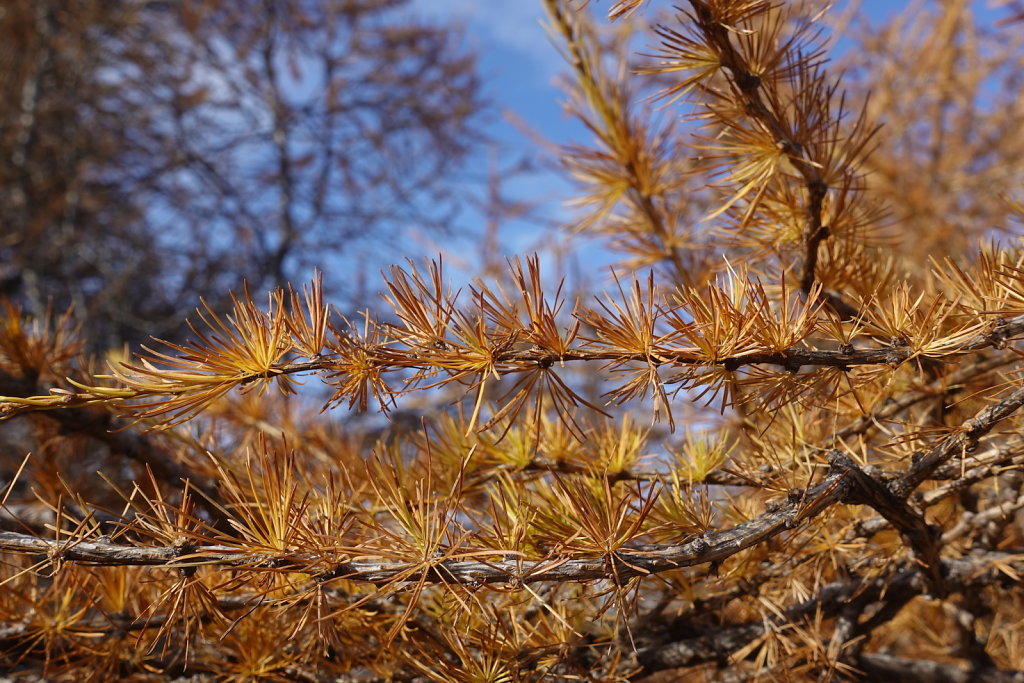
(156, 151)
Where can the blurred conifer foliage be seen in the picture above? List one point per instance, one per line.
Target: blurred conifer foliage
(783, 442)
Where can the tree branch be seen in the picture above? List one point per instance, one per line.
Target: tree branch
(386, 356)
(962, 442)
(879, 667)
(923, 538)
(712, 547)
(716, 644)
(621, 565)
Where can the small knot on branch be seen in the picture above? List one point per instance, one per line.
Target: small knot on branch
(181, 549)
(973, 428)
(999, 334)
(748, 81)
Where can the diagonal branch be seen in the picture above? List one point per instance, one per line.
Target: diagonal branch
(960, 443)
(923, 538)
(1008, 455)
(943, 386)
(717, 644)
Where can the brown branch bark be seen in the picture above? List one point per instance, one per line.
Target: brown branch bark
(877, 666)
(792, 359)
(923, 538)
(717, 644)
(713, 547)
(957, 444)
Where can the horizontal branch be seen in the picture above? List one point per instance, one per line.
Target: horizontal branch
(147, 449)
(120, 623)
(716, 477)
(623, 564)
(443, 358)
(792, 358)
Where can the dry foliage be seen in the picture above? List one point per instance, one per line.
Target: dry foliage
(803, 461)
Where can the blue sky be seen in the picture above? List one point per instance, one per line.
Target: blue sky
(520, 67)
